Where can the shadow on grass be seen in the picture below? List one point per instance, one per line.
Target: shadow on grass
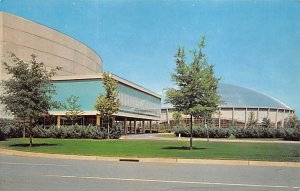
(183, 148)
(34, 145)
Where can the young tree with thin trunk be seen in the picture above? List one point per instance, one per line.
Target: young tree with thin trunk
(196, 86)
(108, 104)
(27, 93)
(73, 108)
(177, 116)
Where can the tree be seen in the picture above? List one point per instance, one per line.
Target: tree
(27, 94)
(266, 123)
(73, 108)
(292, 122)
(196, 86)
(177, 116)
(108, 104)
(251, 119)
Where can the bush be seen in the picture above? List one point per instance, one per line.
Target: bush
(252, 132)
(76, 132)
(2, 134)
(9, 129)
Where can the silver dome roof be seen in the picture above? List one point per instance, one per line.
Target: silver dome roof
(236, 96)
(233, 95)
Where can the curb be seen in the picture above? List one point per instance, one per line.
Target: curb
(152, 160)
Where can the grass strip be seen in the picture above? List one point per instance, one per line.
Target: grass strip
(160, 149)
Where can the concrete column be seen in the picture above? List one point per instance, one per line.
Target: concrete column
(257, 115)
(268, 113)
(276, 118)
(130, 127)
(282, 123)
(157, 126)
(143, 126)
(246, 117)
(232, 117)
(219, 118)
(125, 126)
(58, 121)
(167, 117)
(150, 124)
(98, 120)
(134, 124)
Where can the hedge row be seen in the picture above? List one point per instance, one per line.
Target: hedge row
(11, 130)
(76, 132)
(201, 132)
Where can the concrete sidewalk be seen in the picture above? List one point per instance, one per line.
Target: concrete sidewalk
(152, 160)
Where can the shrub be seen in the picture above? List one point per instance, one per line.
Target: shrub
(76, 132)
(115, 132)
(251, 132)
(2, 134)
(231, 137)
(9, 129)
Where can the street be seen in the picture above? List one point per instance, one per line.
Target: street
(41, 174)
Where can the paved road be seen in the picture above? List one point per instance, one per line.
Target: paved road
(30, 174)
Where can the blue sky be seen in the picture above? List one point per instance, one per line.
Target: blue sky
(254, 44)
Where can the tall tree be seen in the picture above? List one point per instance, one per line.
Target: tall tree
(196, 92)
(251, 119)
(73, 108)
(27, 94)
(108, 104)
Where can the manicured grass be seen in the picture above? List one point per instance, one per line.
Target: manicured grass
(245, 139)
(173, 149)
(260, 139)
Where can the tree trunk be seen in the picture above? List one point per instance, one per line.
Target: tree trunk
(30, 132)
(207, 133)
(24, 129)
(108, 127)
(191, 132)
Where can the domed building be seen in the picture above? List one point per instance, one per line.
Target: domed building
(238, 103)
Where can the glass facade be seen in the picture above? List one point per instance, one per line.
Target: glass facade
(135, 101)
(132, 100)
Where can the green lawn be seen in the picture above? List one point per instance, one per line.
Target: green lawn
(245, 139)
(147, 148)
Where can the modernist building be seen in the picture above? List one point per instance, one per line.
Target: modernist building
(238, 103)
(80, 75)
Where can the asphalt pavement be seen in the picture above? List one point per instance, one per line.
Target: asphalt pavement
(42, 174)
